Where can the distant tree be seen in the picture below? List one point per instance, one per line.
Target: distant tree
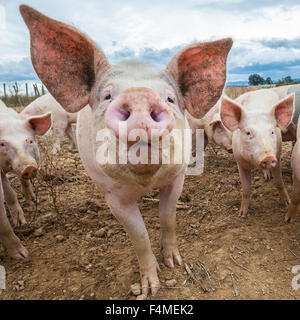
(288, 79)
(269, 80)
(256, 80)
(284, 81)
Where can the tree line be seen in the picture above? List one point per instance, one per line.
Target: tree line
(257, 80)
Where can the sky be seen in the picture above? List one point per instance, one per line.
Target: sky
(266, 34)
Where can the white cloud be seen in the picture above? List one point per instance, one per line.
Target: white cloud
(135, 26)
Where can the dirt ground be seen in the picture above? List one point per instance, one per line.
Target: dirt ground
(79, 251)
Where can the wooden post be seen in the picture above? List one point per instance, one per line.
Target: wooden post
(43, 90)
(4, 89)
(26, 87)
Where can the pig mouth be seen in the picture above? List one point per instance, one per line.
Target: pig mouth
(145, 167)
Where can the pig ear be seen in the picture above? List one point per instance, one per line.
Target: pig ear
(231, 113)
(65, 59)
(284, 110)
(40, 124)
(216, 120)
(200, 71)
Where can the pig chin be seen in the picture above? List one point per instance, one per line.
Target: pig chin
(145, 167)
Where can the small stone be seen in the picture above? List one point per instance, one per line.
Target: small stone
(141, 297)
(171, 283)
(60, 237)
(135, 289)
(39, 232)
(100, 233)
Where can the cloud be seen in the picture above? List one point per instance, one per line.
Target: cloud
(275, 43)
(264, 32)
(14, 71)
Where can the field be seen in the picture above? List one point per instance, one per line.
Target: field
(78, 250)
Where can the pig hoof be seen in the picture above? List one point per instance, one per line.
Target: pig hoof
(18, 253)
(243, 214)
(288, 218)
(150, 281)
(172, 256)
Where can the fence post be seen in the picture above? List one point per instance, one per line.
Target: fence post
(4, 89)
(26, 87)
(43, 90)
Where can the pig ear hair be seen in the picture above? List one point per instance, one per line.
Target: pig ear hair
(231, 113)
(65, 59)
(200, 72)
(40, 124)
(284, 111)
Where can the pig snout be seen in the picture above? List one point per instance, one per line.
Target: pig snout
(140, 108)
(29, 172)
(268, 162)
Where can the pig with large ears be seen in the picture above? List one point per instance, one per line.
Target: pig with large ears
(79, 76)
(256, 119)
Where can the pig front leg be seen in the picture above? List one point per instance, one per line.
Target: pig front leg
(70, 134)
(295, 201)
(129, 215)
(169, 196)
(245, 176)
(9, 240)
(276, 172)
(17, 214)
(27, 191)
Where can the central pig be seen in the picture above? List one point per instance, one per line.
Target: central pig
(79, 76)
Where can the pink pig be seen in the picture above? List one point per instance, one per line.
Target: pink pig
(295, 198)
(256, 118)
(133, 94)
(61, 119)
(19, 153)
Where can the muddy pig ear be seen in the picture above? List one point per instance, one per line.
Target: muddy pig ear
(200, 72)
(65, 59)
(40, 124)
(284, 110)
(230, 113)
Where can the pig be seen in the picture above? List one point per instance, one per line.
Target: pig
(295, 198)
(214, 131)
(256, 119)
(61, 120)
(290, 133)
(79, 76)
(19, 153)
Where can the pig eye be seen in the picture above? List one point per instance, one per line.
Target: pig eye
(248, 134)
(108, 97)
(272, 131)
(170, 100)
(3, 145)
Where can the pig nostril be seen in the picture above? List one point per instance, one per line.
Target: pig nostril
(124, 113)
(155, 116)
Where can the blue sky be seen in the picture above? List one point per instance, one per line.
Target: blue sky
(266, 33)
